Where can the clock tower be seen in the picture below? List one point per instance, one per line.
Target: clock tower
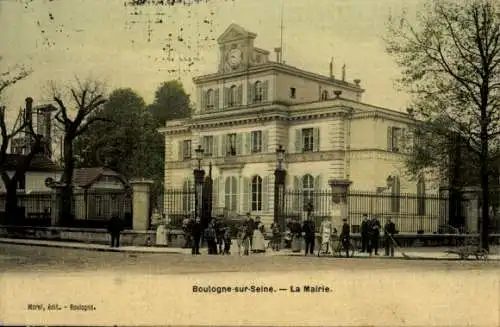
(236, 47)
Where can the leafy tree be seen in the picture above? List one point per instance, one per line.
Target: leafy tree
(86, 97)
(450, 62)
(130, 145)
(171, 102)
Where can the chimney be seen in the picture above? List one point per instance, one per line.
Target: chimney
(331, 69)
(343, 73)
(28, 111)
(278, 55)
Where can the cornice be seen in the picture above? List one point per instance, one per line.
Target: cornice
(238, 162)
(273, 67)
(374, 154)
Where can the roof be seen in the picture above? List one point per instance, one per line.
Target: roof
(85, 177)
(39, 163)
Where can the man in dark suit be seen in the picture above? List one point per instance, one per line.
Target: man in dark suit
(374, 234)
(364, 233)
(389, 231)
(115, 227)
(309, 229)
(345, 236)
(196, 231)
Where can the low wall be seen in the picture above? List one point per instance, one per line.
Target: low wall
(87, 235)
(176, 237)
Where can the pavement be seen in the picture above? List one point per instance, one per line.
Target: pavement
(421, 253)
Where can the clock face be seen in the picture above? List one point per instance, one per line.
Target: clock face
(234, 57)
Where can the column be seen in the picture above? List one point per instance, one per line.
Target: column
(140, 203)
(339, 209)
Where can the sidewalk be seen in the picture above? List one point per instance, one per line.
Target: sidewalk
(409, 253)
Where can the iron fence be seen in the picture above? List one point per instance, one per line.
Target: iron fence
(410, 212)
(91, 209)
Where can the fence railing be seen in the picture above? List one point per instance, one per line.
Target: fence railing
(90, 209)
(410, 212)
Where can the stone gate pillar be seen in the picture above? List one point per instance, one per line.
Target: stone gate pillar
(141, 189)
(339, 209)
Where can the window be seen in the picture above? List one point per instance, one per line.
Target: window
(232, 95)
(99, 206)
(292, 92)
(324, 95)
(258, 92)
(307, 189)
(186, 149)
(186, 195)
(308, 140)
(256, 141)
(395, 194)
(258, 58)
(394, 139)
(421, 197)
(256, 193)
(231, 192)
(208, 145)
(231, 144)
(210, 99)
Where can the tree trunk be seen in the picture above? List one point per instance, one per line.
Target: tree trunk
(484, 172)
(66, 193)
(11, 210)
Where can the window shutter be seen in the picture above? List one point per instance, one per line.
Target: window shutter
(250, 93)
(248, 143)
(296, 194)
(215, 192)
(215, 146)
(180, 150)
(239, 144)
(316, 139)
(265, 194)
(203, 103)
(247, 194)
(265, 141)
(298, 141)
(223, 150)
(226, 97)
(216, 99)
(319, 197)
(239, 97)
(404, 139)
(389, 138)
(235, 190)
(265, 92)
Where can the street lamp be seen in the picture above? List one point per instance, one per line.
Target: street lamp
(279, 188)
(199, 174)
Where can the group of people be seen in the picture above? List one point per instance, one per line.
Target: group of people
(251, 235)
(215, 234)
(370, 235)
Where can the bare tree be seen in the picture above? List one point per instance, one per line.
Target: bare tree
(450, 60)
(85, 97)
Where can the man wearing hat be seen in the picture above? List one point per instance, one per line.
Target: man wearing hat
(345, 236)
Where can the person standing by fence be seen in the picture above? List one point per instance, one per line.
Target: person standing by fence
(345, 236)
(211, 238)
(389, 231)
(309, 229)
(115, 227)
(374, 234)
(364, 233)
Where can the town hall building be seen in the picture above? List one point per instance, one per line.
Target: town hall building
(253, 103)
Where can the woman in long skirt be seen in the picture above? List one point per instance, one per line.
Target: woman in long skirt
(258, 242)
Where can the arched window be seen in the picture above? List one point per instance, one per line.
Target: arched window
(232, 95)
(186, 195)
(258, 92)
(210, 99)
(307, 189)
(324, 95)
(231, 192)
(256, 193)
(421, 196)
(395, 194)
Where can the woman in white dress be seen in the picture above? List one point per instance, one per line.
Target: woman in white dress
(258, 242)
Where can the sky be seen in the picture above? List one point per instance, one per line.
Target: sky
(122, 47)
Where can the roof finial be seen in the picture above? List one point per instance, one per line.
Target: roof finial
(343, 72)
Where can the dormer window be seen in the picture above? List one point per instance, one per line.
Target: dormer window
(292, 92)
(210, 99)
(258, 92)
(324, 95)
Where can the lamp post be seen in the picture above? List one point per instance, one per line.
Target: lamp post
(279, 188)
(199, 174)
